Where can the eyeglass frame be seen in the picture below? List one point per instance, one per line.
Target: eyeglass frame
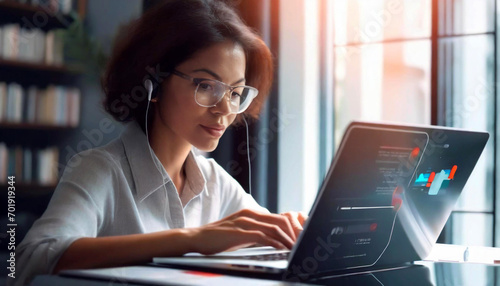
(197, 81)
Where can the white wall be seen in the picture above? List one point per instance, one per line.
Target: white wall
(299, 105)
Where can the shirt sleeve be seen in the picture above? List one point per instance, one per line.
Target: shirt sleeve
(71, 214)
(233, 196)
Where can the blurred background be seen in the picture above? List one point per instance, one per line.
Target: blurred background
(410, 61)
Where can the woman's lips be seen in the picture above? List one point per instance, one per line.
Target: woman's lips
(214, 131)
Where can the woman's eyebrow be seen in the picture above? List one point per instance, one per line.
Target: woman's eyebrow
(216, 76)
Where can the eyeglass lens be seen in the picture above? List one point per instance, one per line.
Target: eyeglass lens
(209, 93)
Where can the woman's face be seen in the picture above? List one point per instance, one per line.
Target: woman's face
(180, 116)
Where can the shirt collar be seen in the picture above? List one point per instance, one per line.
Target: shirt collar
(194, 176)
(147, 176)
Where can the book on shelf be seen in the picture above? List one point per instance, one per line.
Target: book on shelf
(55, 6)
(1, 40)
(14, 103)
(54, 105)
(48, 108)
(30, 166)
(4, 153)
(66, 6)
(10, 41)
(18, 164)
(27, 165)
(47, 166)
(11, 168)
(32, 45)
(73, 107)
(3, 101)
(54, 47)
(32, 95)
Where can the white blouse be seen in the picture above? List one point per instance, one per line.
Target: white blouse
(117, 190)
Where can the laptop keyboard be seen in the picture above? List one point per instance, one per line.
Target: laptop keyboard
(268, 257)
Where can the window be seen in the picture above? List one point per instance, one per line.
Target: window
(382, 61)
(424, 62)
(465, 43)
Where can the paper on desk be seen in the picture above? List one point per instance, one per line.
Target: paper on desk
(461, 253)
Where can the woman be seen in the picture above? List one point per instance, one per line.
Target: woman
(147, 194)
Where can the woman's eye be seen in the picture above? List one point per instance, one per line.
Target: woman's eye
(235, 94)
(205, 86)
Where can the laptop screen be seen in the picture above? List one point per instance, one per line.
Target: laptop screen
(386, 197)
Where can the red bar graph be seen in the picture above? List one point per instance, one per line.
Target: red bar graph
(452, 172)
(431, 178)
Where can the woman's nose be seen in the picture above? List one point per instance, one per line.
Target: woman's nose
(223, 107)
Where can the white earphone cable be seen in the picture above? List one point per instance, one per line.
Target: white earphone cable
(248, 158)
(150, 90)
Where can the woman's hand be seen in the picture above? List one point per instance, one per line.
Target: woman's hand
(246, 228)
(297, 220)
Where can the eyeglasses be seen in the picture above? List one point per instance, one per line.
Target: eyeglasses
(210, 92)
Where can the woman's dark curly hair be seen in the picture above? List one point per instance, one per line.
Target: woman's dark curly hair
(168, 35)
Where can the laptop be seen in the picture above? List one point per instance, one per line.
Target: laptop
(383, 203)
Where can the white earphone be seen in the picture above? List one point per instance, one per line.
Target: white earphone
(149, 87)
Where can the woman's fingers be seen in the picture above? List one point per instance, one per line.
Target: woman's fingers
(295, 221)
(302, 217)
(268, 229)
(261, 238)
(278, 220)
(223, 238)
(248, 227)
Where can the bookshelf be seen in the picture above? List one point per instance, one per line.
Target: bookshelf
(38, 69)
